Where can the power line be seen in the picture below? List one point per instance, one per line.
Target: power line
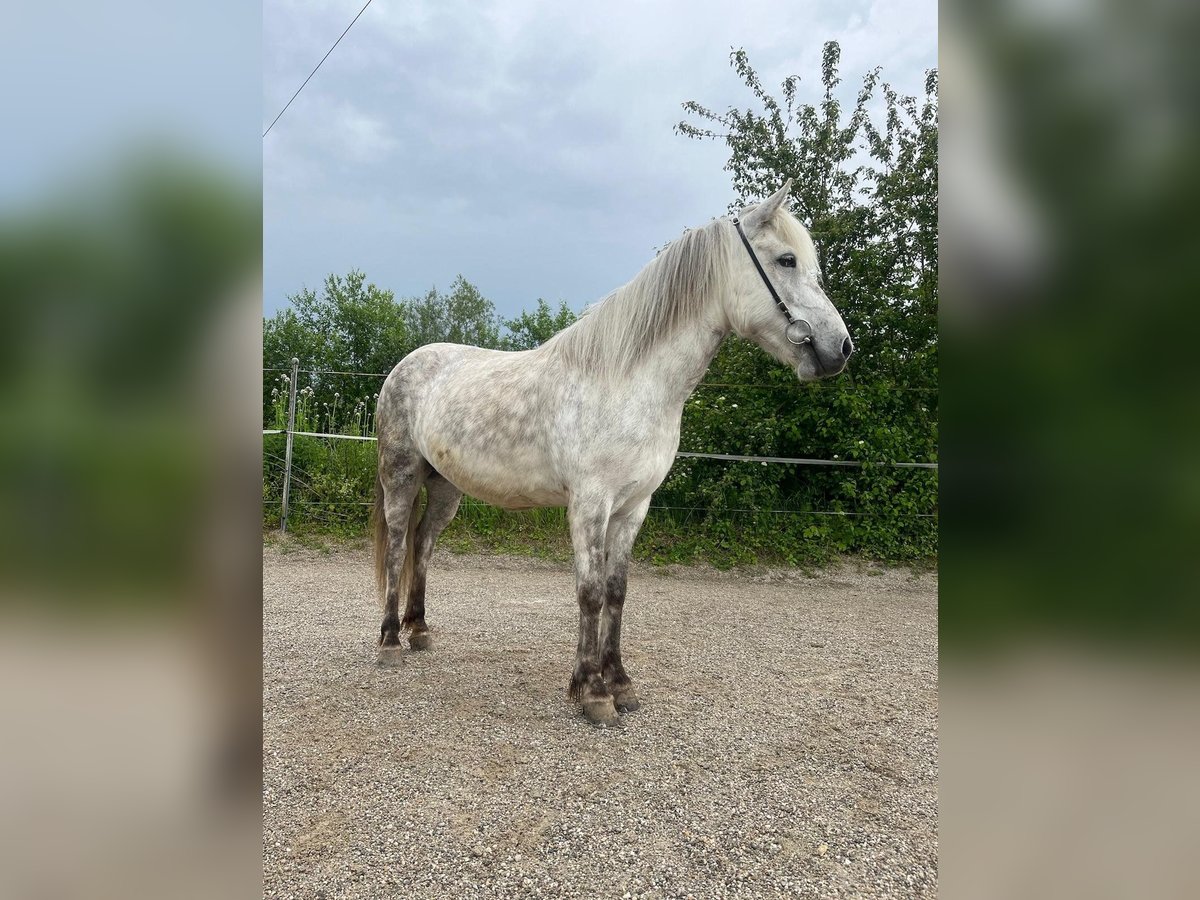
(314, 71)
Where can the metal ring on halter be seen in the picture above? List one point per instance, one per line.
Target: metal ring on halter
(799, 331)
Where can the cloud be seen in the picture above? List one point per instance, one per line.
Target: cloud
(527, 145)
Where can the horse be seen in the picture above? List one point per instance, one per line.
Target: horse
(589, 420)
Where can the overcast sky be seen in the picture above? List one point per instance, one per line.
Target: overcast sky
(527, 145)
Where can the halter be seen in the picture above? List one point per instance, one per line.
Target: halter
(799, 331)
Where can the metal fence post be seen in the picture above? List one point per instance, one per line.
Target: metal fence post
(287, 459)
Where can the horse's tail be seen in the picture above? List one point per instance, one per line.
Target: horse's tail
(380, 527)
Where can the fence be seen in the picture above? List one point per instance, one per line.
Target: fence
(291, 432)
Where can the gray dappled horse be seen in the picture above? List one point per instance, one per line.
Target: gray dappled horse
(589, 420)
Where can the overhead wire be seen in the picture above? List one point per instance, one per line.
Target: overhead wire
(314, 71)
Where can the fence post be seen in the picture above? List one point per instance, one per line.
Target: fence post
(287, 458)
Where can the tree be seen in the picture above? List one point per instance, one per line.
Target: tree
(462, 316)
(532, 329)
(425, 318)
(354, 326)
(470, 317)
(350, 326)
(868, 193)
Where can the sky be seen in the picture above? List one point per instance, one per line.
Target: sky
(527, 145)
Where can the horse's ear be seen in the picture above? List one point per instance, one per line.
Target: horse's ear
(766, 210)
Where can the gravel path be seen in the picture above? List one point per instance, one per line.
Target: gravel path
(786, 745)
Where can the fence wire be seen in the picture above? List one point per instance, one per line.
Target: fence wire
(331, 505)
(728, 457)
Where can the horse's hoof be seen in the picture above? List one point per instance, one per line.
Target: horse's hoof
(601, 711)
(626, 700)
(419, 640)
(391, 656)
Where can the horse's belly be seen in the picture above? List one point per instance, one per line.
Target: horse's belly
(513, 480)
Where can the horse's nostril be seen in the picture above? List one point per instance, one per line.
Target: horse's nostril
(847, 347)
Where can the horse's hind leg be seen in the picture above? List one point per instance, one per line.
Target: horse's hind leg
(400, 478)
(441, 504)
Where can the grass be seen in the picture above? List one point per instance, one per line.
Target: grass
(543, 534)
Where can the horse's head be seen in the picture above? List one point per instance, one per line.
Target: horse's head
(798, 325)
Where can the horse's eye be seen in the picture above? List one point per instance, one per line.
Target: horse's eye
(788, 261)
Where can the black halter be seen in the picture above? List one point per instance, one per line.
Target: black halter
(799, 331)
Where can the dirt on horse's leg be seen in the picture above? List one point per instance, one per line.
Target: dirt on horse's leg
(589, 525)
(621, 534)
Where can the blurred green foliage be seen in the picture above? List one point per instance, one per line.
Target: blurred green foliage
(113, 291)
(1076, 498)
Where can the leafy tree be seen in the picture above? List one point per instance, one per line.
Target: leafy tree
(532, 329)
(463, 316)
(425, 318)
(354, 326)
(868, 193)
(350, 326)
(470, 317)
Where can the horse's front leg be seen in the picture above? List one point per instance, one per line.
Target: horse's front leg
(622, 531)
(589, 527)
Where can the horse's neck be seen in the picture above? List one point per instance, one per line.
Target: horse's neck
(676, 363)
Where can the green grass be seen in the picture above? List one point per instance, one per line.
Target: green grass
(666, 539)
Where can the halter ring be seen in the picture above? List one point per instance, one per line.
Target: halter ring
(799, 331)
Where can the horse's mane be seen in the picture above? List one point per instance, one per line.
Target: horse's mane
(612, 336)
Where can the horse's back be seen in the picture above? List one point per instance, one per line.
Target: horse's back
(413, 381)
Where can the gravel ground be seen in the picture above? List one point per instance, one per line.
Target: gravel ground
(786, 745)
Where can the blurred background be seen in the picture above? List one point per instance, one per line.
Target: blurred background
(130, 604)
(1070, 394)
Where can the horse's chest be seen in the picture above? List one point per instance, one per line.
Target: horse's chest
(641, 464)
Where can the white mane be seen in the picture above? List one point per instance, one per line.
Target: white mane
(612, 336)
